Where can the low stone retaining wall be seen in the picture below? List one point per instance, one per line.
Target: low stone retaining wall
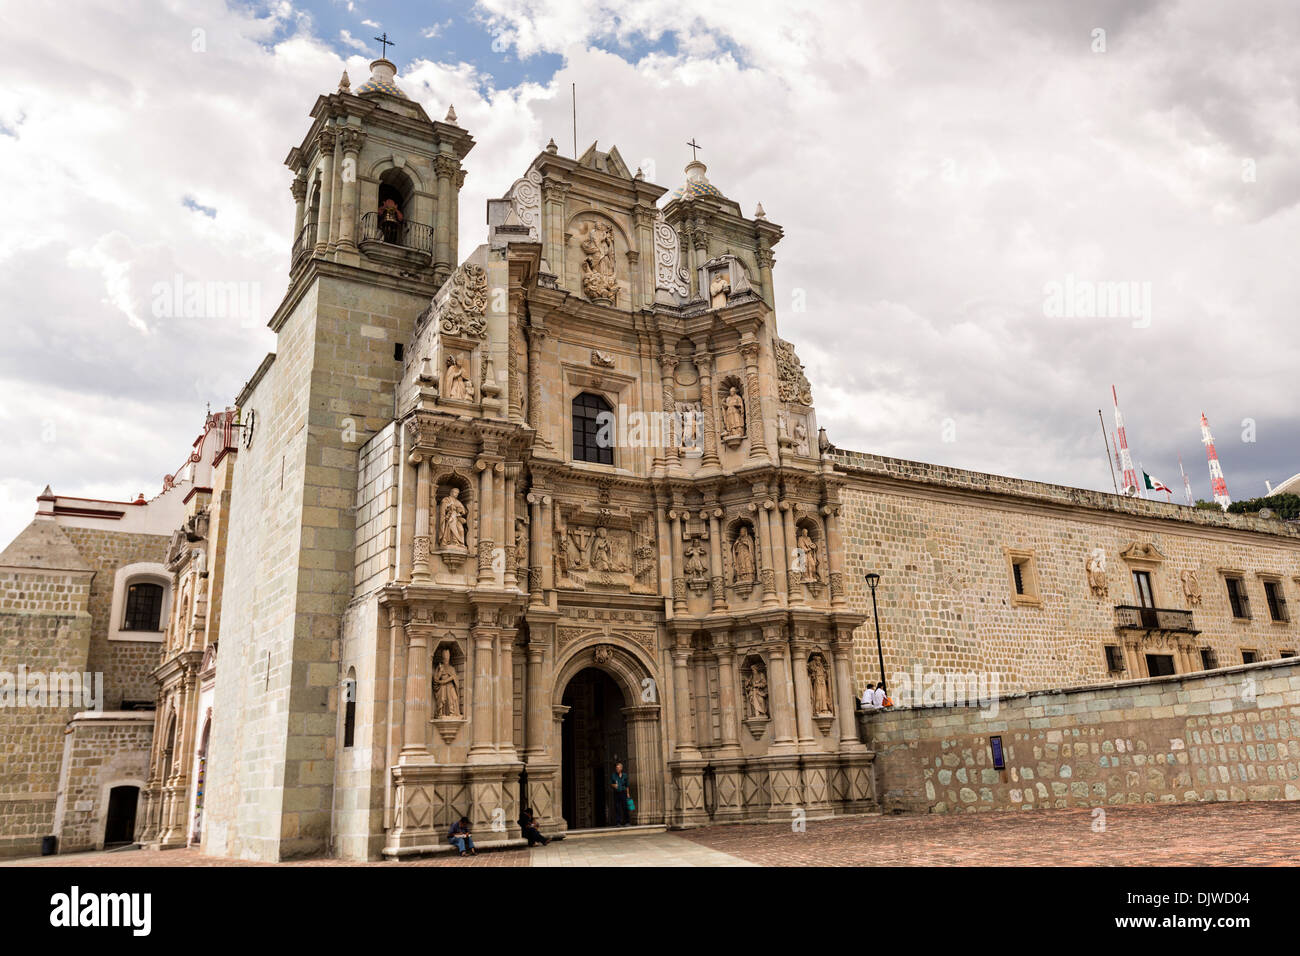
(1227, 734)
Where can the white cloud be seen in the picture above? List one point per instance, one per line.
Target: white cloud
(349, 40)
(933, 166)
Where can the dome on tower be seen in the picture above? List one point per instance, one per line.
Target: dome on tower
(382, 73)
(697, 184)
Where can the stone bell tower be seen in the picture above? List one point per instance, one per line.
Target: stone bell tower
(376, 186)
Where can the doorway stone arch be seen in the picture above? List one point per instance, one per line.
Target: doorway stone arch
(635, 677)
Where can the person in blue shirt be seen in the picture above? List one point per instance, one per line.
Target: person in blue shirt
(460, 838)
(618, 782)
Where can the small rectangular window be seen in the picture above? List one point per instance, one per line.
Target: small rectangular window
(1276, 602)
(1114, 659)
(1209, 660)
(1237, 599)
(1286, 654)
(1249, 657)
(1024, 578)
(1018, 572)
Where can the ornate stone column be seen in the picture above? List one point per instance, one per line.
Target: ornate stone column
(486, 519)
(704, 362)
(686, 748)
(793, 578)
(753, 402)
(352, 141)
(535, 693)
(642, 723)
(554, 193)
(299, 190)
(415, 732)
(535, 534)
(547, 535)
(802, 693)
(842, 650)
(780, 547)
(327, 136)
(445, 166)
(481, 748)
(536, 337)
(779, 702)
(509, 579)
(767, 575)
(336, 194)
(717, 581)
(835, 554)
(672, 437)
(703, 702)
(700, 244)
(505, 693)
(420, 542)
(727, 698)
(765, 263)
(679, 575)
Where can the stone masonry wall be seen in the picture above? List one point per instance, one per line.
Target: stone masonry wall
(102, 751)
(126, 665)
(44, 626)
(940, 540)
(1230, 734)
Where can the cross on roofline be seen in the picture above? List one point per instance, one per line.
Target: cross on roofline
(384, 44)
(694, 146)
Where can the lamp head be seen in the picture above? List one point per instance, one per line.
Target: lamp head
(872, 579)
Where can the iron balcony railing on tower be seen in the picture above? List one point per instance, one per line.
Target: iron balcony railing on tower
(407, 234)
(304, 244)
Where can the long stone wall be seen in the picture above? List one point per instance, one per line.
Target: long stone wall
(943, 540)
(1230, 734)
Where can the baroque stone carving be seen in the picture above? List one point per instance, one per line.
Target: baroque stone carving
(742, 557)
(719, 289)
(602, 359)
(733, 414)
(697, 565)
(819, 675)
(1191, 588)
(792, 384)
(446, 687)
(462, 313)
(807, 555)
(669, 274)
(1097, 572)
(526, 198)
(599, 281)
(755, 687)
(456, 383)
(801, 438)
(451, 521)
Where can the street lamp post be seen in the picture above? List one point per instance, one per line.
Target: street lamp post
(873, 579)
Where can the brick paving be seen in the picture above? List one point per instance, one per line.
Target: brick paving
(1224, 834)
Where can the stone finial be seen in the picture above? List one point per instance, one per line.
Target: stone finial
(639, 175)
(344, 83)
(551, 147)
(758, 212)
(451, 115)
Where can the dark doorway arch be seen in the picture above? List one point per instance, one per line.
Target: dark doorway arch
(119, 826)
(592, 738)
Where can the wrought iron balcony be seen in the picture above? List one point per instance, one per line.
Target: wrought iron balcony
(303, 245)
(1129, 617)
(412, 236)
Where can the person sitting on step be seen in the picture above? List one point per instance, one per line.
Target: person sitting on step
(460, 838)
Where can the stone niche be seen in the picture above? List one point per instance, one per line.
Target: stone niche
(723, 279)
(595, 260)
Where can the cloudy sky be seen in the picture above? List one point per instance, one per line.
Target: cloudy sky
(937, 168)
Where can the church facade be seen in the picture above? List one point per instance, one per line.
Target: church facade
(483, 526)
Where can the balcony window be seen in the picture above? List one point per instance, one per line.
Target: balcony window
(1142, 587)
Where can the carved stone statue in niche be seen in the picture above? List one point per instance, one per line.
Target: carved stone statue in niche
(1097, 572)
(733, 414)
(521, 542)
(800, 438)
(819, 675)
(719, 289)
(808, 551)
(755, 692)
(742, 557)
(1191, 588)
(451, 521)
(697, 564)
(456, 383)
(446, 688)
(598, 273)
(689, 413)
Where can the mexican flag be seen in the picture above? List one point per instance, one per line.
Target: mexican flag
(1155, 484)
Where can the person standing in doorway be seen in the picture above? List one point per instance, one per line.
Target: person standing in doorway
(618, 782)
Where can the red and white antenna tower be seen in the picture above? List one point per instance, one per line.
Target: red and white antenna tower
(1131, 486)
(1218, 487)
(1187, 484)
